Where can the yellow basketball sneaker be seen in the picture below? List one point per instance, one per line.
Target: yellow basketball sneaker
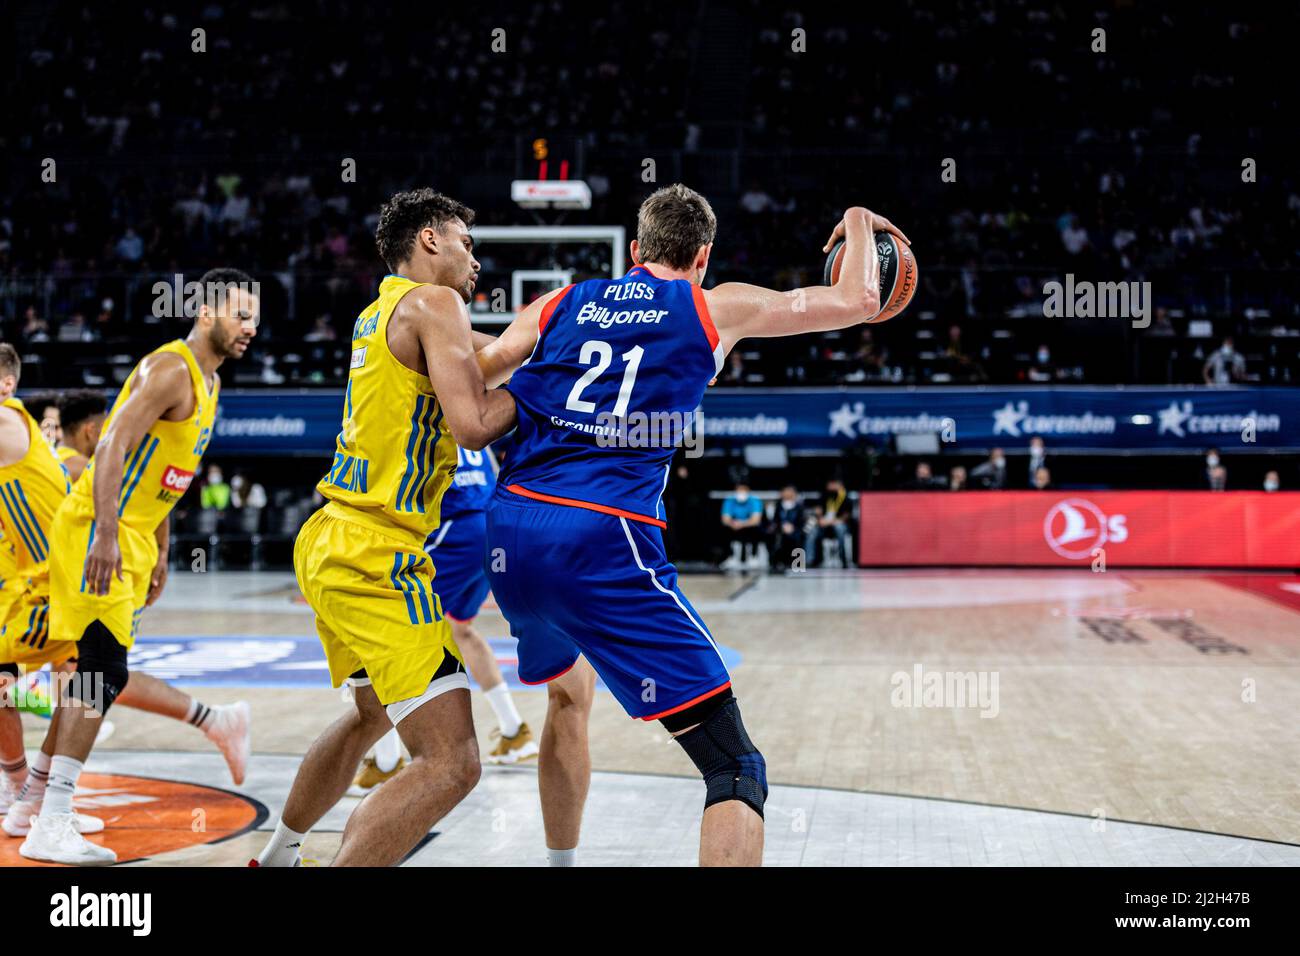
(514, 749)
(370, 776)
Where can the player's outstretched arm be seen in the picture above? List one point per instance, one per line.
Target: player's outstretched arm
(499, 357)
(741, 311)
(475, 414)
(161, 383)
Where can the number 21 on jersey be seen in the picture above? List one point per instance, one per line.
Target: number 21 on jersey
(601, 354)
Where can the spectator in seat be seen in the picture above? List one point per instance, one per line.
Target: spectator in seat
(214, 499)
(1211, 462)
(832, 522)
(44, 407)
(787, 528)
(321, 331)
(742, 516)
(1271, 481)
(1225, 366)
(992, 474)
(1042, 369)
(249, 498)
(1218, 478)
(1037, 456)
(957, 479)
(75, 329)
(1042, 479)
(35, 329)
(924, 479)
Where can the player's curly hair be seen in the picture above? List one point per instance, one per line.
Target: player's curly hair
(405, 214)
(672, 225)
(79, 405)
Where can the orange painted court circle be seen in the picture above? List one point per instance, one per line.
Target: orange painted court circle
(145, 816)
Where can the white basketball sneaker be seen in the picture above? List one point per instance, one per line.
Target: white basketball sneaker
(231, 730)
(19, 819)
(54, 838)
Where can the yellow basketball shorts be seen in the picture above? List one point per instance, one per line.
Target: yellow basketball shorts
(72, 607)
(25, 631)
(375, 603)
(11, 589)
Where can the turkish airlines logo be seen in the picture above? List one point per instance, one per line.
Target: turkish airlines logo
(174, 479)
(1075, 527)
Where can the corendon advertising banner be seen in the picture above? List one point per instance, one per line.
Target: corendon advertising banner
(1245, 529)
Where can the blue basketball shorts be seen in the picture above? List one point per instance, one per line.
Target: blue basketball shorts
(573, 581)
(459, 576)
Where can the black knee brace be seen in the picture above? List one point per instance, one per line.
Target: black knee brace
(731, 765)
(101, 668)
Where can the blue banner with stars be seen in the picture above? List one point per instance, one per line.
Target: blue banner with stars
(1170, 418)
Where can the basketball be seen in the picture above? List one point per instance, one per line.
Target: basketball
(897, 273)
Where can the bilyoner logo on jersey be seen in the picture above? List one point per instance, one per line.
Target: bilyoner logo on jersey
(1075, 528)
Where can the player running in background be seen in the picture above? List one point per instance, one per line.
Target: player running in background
(81, 419)
(578, 514)
(456, 549)
(33, 485)
(110, 536)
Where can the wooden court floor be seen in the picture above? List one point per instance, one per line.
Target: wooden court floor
(1149, 697)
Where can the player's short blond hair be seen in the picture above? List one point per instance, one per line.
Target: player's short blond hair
(672, 225)
(10, 363)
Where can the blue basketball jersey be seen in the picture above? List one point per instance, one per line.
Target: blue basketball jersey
(472, 484)
(613, 357)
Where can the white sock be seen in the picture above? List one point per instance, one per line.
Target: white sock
(64, 772)
(38, 776)
(283, 848)
(15, 770)
(503, 705)
(388, 751)
(200, 715)
(561, 857)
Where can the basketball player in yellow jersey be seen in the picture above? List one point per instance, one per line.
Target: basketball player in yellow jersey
(110, 535)
(24, 627)
(81, 420)
(414, 384)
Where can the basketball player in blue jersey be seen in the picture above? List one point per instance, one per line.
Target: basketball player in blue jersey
(575, 547)
(456, 549)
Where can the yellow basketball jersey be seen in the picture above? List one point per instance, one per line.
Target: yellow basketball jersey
(31, 490)
(64, 453)
(11, 585)
(394, 456)
(8, 559)
(160, 468)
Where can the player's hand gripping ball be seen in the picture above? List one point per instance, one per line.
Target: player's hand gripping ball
(897, 274)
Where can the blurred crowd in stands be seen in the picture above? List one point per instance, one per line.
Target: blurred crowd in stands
(148, 141)
(1110, 166)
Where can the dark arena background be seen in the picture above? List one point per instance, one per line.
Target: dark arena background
(1008, 580)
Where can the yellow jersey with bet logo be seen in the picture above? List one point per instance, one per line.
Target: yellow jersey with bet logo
(161, 467)
(31, 490)
(394, 455)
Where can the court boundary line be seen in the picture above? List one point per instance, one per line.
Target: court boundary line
(794, 786)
